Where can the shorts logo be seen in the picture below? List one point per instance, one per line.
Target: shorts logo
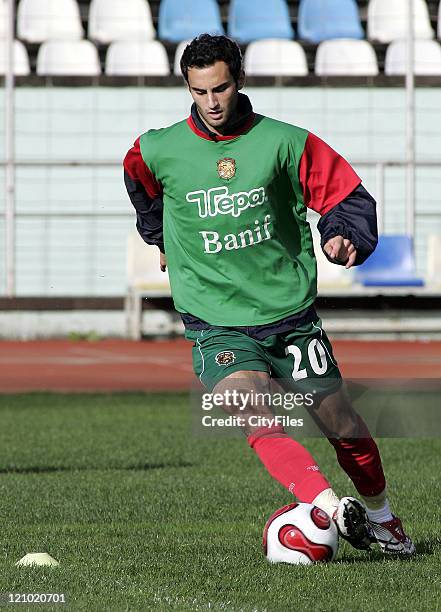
(225, 358)
(226, 168)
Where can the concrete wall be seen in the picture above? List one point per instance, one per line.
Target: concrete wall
(73, 222)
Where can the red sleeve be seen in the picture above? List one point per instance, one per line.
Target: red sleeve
(326, 177)
(138, 170)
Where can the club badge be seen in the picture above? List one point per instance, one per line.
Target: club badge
(225, 358)
(226, 168)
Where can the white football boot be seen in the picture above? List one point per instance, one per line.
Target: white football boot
(391, 537)
(352, 523)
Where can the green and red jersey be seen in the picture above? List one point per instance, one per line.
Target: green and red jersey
(238, 245)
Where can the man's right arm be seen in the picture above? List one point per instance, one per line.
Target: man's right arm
(331, 187)
(145, 193)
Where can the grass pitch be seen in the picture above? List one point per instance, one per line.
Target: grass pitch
(144, 515)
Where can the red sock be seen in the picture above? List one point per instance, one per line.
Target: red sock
(288, 462)
(360, 459)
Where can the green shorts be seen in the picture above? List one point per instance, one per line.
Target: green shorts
(300, 359)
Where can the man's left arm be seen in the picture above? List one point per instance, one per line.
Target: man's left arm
(348, 224)
(349, 230)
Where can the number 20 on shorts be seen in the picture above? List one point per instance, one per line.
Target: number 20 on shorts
(316, 356)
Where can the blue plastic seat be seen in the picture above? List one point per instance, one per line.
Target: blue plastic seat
(391, 264)
(184, 19)
(325, 19)
(259, 19)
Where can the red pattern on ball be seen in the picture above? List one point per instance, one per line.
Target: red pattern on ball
(320, 518)
(293, 538)
(271, 519)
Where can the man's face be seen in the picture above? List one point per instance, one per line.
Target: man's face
(215, 93)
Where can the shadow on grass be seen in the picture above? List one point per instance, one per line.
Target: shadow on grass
(424, 548)
(138, 467)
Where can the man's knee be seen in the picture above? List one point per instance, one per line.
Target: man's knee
(246, 394)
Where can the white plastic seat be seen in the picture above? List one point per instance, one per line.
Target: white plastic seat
(273, 56)
(427, 58)
(21, 59)
(144, 278)
(137, 58)
(434, 260)
(40, 20)
(143, 270)
(329, 275)
(387, 20)
(346, 57)
(111, 20)
(178, 54)
(68, 58)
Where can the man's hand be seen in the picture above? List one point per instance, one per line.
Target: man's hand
(162, 262)
(342, 250)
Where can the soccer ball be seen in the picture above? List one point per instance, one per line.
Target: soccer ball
(300, 533)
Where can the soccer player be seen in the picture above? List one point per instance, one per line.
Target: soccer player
(224, 195)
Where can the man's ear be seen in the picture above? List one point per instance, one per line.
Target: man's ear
(241, 80)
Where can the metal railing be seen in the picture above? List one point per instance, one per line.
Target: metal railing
(380, 180)
(380, 168)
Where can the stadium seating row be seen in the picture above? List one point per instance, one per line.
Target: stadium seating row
(318, 20)
(271, 57)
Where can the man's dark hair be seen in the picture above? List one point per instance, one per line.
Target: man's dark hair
(205, 50)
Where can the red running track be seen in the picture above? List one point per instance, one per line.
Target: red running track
(121, 365)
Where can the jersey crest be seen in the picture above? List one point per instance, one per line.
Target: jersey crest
(226, 168)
